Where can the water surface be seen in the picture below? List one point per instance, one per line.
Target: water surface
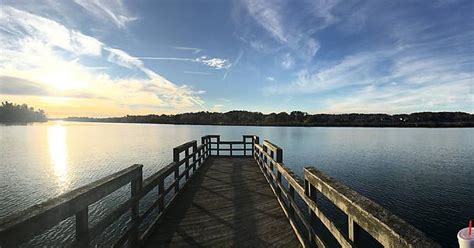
(423, 175)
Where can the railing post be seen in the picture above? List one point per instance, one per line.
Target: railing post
(278, 183)
(230, 149)
(176, 171)
(279, 155)
(206, 150)
(208, 147)
(194, 157)
(176, 179)
(175, 155)
(136, 188)
(82, 227)
(161, 192)
(352, 229)
(245, 145)
(255, 140)
(291, 192)
(200, 152)
(218, 144)
(264, 156)
(203, 142)
(308, 192)
(186, 167)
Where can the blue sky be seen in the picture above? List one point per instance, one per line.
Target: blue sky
(113, 57)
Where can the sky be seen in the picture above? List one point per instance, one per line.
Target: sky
(112, 57)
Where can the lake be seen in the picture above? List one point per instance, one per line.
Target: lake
(423, 175)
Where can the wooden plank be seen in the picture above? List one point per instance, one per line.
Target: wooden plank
(229, 203)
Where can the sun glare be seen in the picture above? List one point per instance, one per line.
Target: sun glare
(62, 80)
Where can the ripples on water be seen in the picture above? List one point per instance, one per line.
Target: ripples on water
(422, 175)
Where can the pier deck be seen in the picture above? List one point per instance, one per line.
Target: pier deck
(227, 203)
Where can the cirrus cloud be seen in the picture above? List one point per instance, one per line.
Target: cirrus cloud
(48, 56)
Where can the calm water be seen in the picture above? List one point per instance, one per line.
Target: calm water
(423, 175)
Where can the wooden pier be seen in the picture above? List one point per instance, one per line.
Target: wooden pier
(220, 193)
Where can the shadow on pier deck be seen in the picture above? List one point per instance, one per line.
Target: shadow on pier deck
(220, 193)
(227, 203)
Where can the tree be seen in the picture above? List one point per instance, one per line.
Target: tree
(14, 113)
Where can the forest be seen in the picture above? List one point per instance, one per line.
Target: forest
(15, 113)
(298, 118)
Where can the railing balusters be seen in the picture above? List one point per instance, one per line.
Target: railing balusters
(307, 191)
(195, 161)
(186, 167)
(161, 195)
(352, 229)
(176, 180)
(278, 183)
(291, 193)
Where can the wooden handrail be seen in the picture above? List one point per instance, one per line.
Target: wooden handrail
(34, 220)
(24, 225)
(388, 229)
(229, 146)
(383, 226)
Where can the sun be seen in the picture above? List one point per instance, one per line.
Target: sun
(62, 80)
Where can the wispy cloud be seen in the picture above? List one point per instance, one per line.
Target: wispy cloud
(215, 63)
(294, 31)
(122, 58)
(423, 70)
(168, 58)
(236, 61)
(197, 72)
(270, 79)
(108, 10)
(287, 61)
(37, 50)
(403, 98)
(192, 49)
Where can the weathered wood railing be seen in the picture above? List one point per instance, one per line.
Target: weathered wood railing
(25, 225)
(387, 229)
(216, 146)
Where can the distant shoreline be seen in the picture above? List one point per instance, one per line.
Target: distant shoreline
(268, 125)
(298, 119)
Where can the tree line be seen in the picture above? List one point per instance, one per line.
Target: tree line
(298, 118)
(15, 113)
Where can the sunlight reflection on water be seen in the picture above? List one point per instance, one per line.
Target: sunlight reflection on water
(58, 153)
